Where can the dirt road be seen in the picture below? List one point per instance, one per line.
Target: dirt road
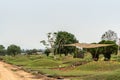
(10, 72)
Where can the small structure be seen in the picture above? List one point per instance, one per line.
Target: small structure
(86, 45)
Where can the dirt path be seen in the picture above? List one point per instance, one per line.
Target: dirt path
(10, 72)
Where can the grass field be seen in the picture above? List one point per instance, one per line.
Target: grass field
(73, 68)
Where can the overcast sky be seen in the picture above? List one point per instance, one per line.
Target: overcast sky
(26, 22)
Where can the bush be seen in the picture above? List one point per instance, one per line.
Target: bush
(47, 52)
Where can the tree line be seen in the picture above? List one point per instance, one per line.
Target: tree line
(57, 40)
(11, 50)
(14, 50)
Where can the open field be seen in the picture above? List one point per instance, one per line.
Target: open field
(68, 67)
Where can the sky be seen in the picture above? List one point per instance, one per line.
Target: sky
(26, 22)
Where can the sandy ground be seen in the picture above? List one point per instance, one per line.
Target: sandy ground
(10, 72)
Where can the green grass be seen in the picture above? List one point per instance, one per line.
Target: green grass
(100, 66)
(100, 70)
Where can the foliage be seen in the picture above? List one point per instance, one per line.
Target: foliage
(95, 52)
(31, 51)
(44, 43)
(13, 50)
(47, 52)
(63, 38)
(28, 52)
(106, 51)
(79, 53)
(51, 39)
(2, 50)
(49, 44)
(34, 51)
(109, 35)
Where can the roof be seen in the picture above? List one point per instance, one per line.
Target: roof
(86, 45)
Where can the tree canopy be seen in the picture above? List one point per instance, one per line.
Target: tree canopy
(50, 42)
(2, 50)
(13, 50)
(62, 38)
(31, 51)
(106, 51)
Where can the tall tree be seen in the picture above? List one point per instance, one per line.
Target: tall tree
(13, 50)
(106, 51)
(51, 39)
(49, 44)
(109, 36)
(62, 38)
(95, 52)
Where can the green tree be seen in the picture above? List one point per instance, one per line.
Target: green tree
(28, 52)
(47, 52)
(95, 52)
(44, 43)
(34, 51)
(2, 50)
(50, 42)
(13, 50)
(107, 51)
(62, 38)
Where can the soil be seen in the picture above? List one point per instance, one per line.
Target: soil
(11, 72)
